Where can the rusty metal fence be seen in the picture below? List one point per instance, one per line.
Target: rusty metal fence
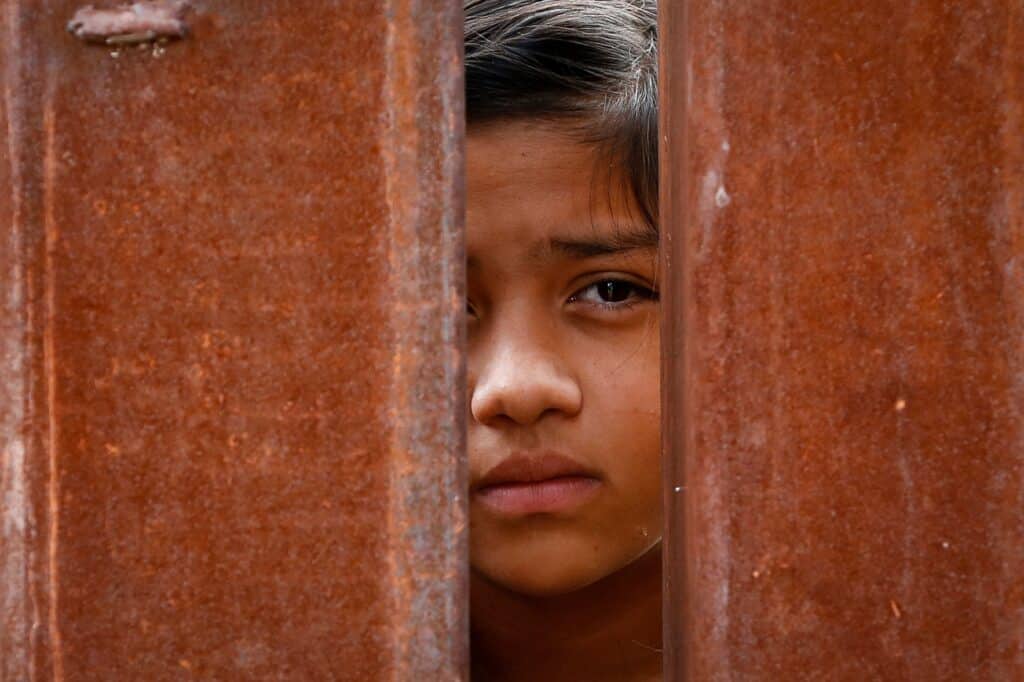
(231, 382)
(232, 295)
(843, 186)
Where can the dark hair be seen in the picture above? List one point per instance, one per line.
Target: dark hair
(589, 62)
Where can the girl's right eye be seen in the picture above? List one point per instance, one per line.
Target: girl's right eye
(613, 293)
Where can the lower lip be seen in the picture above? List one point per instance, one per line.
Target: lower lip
(553, 495)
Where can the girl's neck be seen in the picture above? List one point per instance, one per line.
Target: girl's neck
(610, 630)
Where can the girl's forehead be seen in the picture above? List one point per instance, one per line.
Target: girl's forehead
(506, 157)
(529, 183)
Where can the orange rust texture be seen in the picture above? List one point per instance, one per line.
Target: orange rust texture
(231, 358)
(843, 199)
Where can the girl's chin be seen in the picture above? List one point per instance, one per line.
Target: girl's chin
(547, 577)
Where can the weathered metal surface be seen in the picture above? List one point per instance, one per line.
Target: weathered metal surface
(231, 358)
(843, 198)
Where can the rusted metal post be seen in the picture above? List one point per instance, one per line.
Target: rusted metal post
(843, 203)
(230, 403)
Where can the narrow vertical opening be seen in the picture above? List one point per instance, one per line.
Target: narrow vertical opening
(563, 339)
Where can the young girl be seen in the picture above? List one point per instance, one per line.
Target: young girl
(562, 241)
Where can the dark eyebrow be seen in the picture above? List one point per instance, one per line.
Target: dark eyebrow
(619, 241)
(605, 245)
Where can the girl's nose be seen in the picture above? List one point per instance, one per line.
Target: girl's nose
(521, 381)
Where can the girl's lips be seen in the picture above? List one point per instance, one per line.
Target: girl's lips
(538, 497)
(536, 483)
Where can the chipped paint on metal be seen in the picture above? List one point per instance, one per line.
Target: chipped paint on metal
(138, 22)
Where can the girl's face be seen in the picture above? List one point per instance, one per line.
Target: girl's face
(563, 364)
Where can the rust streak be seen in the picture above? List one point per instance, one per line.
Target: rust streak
(15, 588)
(53, 489)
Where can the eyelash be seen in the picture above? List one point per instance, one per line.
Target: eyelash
(636, 293)
(639, 293)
